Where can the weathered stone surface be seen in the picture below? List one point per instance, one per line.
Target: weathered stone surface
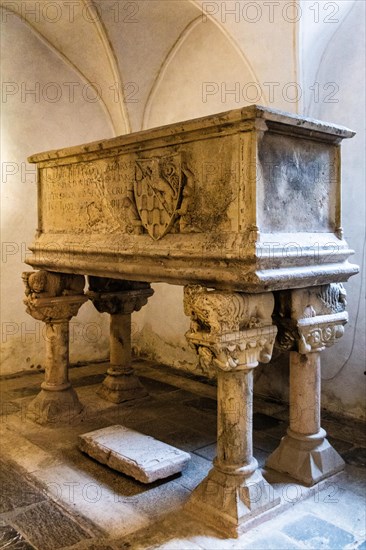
(309, 321)
(246, 200)
(120, 299)
(133, 453)
(55, 298)
(231, 332)
(235, 206)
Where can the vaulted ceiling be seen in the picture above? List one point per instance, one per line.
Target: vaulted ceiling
(141, 55)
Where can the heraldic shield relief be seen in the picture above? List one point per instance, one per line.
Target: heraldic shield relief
(158, 190)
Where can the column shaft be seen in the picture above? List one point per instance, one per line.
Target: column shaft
(305, 392)
(120, 341)
(234, 429)
(57, 355)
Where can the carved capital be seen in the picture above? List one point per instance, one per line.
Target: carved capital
(219, 312)
(53, 297)
(309, 320)
(320, 332)
(229, 330)
(239, 351)
(113, 296)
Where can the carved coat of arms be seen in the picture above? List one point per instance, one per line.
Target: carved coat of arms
(158, 190)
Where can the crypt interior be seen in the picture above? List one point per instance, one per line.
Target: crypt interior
(91, 70)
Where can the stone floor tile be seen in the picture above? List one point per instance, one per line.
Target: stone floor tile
(47, 527)
(338, 504)
(204, 404)
(195, 471)
(317, 533)
(10, 539)
(176, 544)
(88, 380)
(166, 497)
(170, 528)
(356, 456)
(145, 410)
(260, 456)
(95, 544)
(352, 431)
(276, 541)
(179, 379)
(27, 455)
(16, 491)
(95, 496)
(263, 441)
(354, 479)
(25, 391)
(127, 514)
(270, 407)
(362, 546)
(208, 452)
(94, 405)
(264, 422)
(195, 419)
(155, 387)
(23, 381)
(7, 407)
(80, 371)
(122, 486)
(183, 438)
(340, 445)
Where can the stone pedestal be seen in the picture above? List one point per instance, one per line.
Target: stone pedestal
(305, 453)
(231, 333)
(119, 299)
(55, 299)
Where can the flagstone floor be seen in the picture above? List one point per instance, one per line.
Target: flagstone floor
(55, 497)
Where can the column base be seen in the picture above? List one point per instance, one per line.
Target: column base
(307, 458)
(55, 407)
(230, 502)
(118, 387)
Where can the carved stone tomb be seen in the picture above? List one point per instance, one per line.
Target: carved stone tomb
(243, 209)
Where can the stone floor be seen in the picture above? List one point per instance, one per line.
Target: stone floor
(55, 497)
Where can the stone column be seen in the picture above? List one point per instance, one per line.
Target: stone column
(309, 320)
(231, 332)
(119, 299)
(55, 298)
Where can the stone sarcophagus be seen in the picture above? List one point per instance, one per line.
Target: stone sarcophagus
(243, 208)
(246, 200)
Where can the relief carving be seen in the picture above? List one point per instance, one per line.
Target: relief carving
(158, 190)
(118, 296)
(229, 330)
(334, 297)
(46, 284)
(219, 311)
(52, 297)
(311, 319)
(244, 350)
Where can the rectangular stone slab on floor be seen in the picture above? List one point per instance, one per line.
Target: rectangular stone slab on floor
(132, 453)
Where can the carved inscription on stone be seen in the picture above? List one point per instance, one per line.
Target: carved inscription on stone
(74, 196)
(174, 190)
